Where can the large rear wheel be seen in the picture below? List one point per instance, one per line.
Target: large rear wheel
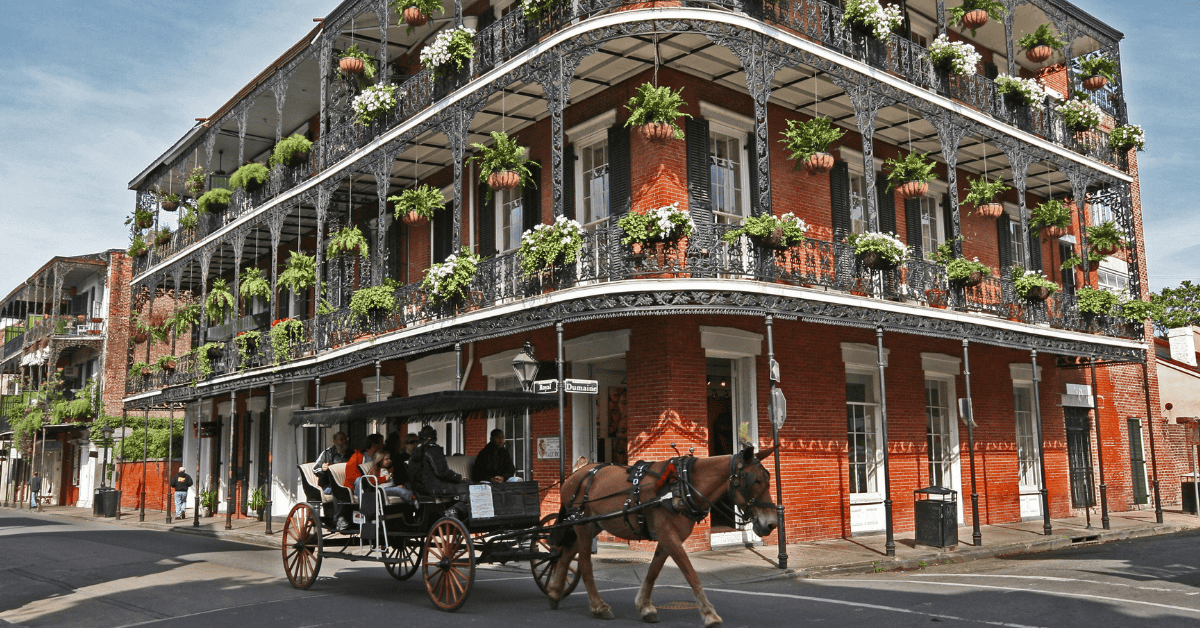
(407, 550)
(302, 545)
(449, 564)
(543, 567)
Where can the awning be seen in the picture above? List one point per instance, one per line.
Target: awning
(434, 406)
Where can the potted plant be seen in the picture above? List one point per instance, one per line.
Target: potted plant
(503, 165)
(1020, 91)
(654, 111)
(954, 57)
(373, 103)
(878, 251)
(292, 151)
(346, 241)
(982, 194)
(257, 502)
(1105, 238)
(1097, 72)
(169, 202)
(299, 273)
(162, 237)
(550, 245)
(450, 53)
(219, 303)
(809, 143)
(1041, 43)
(208, 502)
(450, 279)
(139, 369)
(1136, 311)
(534, 10)
(247, 344)
(974, 14)
(141, 218)
(768, 232)
(416, 205)
(374, 301)
(1126, 137)
(138, 247)
(214, 200)
(194, 183)
(417, 12)
(1032, 285)
(1094, 302)
(355, 61)
(286, 334)
(182, 319)
(204, 355)
(253, 285)
(869, 17)
(961, 271)
(188, 220)
(165, 364)
(910, 175)
(1079, 115)
(250, 177)
(664, 224)
(1051, 218)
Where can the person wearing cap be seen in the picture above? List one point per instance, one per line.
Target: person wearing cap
(182, 483)
(428, 471)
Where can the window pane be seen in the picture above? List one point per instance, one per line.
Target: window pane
(1027, 455)
(931, 230)
(1018, 242)
(858, 206)
(508, 204)
(725, 170)
(938, 433)
(595, 182)
(863, 454)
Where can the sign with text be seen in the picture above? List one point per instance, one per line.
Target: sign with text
(547, 448)
(481, 501)
(583, 386)
(545, 386)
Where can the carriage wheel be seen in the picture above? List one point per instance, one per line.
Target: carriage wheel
(302, 546)
(449, 564)
(543, 568)
(409, 553)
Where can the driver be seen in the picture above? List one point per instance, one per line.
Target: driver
(427, 470)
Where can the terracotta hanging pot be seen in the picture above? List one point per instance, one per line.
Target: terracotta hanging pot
(1038, 293)
(505, 180)
(1106, 250)
(974, 279)
(876, 261)
(656, 132)
(170, 206)
(975, 20)
(818, 163)
(351, 65)
(1053, 232)
(413, 219)
(912, 189)
(990, 210)
(1093, 83)
(413, 17)
(1038, 54)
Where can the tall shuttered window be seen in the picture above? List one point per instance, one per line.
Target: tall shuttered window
(862, 427)
(594, 190)
(726, 174)
(509, 220)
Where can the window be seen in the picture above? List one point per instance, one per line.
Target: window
(1102, 209)
(1027, 450)
(931, 226)
(861, 429)
(1020, 246)
(1113, 275)
(513, 424)
(726, 174)
(858, 203)
(939, 434)
(508, 220)
(593, 160)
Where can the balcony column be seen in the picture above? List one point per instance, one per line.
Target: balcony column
(1079, 184)
(230, 487)
(455, 127)
(1019, 158)
(1008, 37)
(951, 130)
(279, 90)
(1125, 214)
(239, 243)
(382, 171)
(210, 141)
(890, 543)
(324, 196)
(941, 17)
(1099, 446)
(168, 471)
(177, 276)
(867, 104)
(382, 16)
(150, 317)
(145, 454)
(268, 487)
(199, 439)
(56, 296)
(275, 223)
(323, 62)
(458, 13)
(205, 261)
(1037, 422)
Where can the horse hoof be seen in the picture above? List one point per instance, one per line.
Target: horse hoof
(605, 614)
(650, 618)
(553, 604)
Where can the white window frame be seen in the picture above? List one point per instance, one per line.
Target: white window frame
(584, 135)
(738, 127)
(937, 189)
(1029, 494)
(857, 182)
(503, 198)
(742, 349)
(1020, 246)
(866, 509)
(1113, 275)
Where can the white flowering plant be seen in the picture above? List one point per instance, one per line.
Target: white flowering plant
(534, 10)
(664, 223)
(548, 245)
(1128, 136)
(1025, 281)
(1080, 114)
(374, 102)
(450, 51)
(787, 230)
(1026, 91)
(870, 15)
(887, 245)
(452, 277)
(958, 57)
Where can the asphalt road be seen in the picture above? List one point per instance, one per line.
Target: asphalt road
(59, 572)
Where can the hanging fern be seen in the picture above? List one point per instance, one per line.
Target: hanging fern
(299, 274)
(183, 318)
(254, 285)
(220, 301)
(348, 241)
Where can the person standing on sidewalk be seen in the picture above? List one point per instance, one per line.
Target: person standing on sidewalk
(35, 487)
(182, 483)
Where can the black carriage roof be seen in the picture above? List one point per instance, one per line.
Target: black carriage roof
(428, 407)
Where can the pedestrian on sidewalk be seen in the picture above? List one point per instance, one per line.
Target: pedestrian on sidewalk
(182, 483)
(35, 487)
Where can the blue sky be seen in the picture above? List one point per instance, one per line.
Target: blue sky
(93, 92)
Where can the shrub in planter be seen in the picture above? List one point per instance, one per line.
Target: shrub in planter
(417, 12)
(292, 151)
(664, 224)
(1041, 43)
(879, 251)
(1126, 137)
(141, 218)
(809, 143)
(1032, 285)
(214, 200)
(1079, 115)
(188, 220)
(169, 202)
(194, 183)
(286, 335)
(955, 57)
(139, 369)
(208, 501)
(1020, 91)
(910, 175)
(450, 52)
(182, 319)
(165, 364)
(204, 355)
(1095, 302)
(982, 194)
(418, 204)
(534, 10)
(138, 247)
(1105, 238)
(373, 103)
(355, 61)
(347, 241)
(1051, 218)
(299, 273)
(871, 17)
(247, 344)
(503, 165)
(250, 177)
(967, 272)
(162, 237)
(655, 111)
(550, 245)
(219, 303)
(252, 284)
(1097, 71)
(770, 232)
(450, 279)
(973, 14)
(257, 501)
(367, 302)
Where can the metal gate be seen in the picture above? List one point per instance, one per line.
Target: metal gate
(1137, 462)
(1079, 454)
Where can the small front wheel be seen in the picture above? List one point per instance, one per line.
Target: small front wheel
(449, 564)
(543, 566)
(302, 546)
(408, 552)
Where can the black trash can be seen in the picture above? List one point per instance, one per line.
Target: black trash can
(936, 519)
(104, 503)
(1187, 490)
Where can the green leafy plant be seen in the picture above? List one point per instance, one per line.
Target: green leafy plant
(534, 10)
(1099, 65)
(872, 16)
(247, 343)
(202, 363)
(549, 245)
(162, 237)
(373, 103)
(787, 229)
(249, 176)
(286, 335)
(1180, 306)
(1022, 91)
(194, 183)
(1137, 310)
(139, 369)
(1071, 262)
(215, 200)
(252, 284)
(1126, 137)
(188, 220)
(165, 363)
(1098, 302)
(451, 279)
(182, 318)
(1051, 213)
(807, 138)
(1105, 235)
(887, 245)
(422, 200)
(450, 51)
(299, 273)
(1024, 282)
(1080, 114)
(140, 218)
(258, 500)
(170, 197)
(658, 105)
(138, 247)
(960, 269)
(220, 302)
(504, 155)
(381, 298)
(291, 151)
(347, 241)
(1043, 36)
(911, 167)
(368, 63)
(995, 10)
(426, 7)
(150, 326)
(955, 57)
(664, 223)
(208, 499)
(980, 191)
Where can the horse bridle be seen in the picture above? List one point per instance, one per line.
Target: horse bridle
(741, 481)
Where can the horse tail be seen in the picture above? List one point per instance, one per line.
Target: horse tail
(564, 535)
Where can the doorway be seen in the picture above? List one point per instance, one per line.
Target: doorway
(731, 424)
(1079, 455)
(1137, 463)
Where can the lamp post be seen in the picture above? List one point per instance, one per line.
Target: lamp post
(525, 365)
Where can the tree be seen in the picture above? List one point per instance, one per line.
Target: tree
(1180, 306)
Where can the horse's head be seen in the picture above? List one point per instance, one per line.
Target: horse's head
(750, 488)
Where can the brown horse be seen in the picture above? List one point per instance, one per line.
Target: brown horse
(694, 485)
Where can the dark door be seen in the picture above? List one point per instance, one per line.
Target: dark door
(1137, 462)
(720, 426)
(1079, 455)
(263, 450)
(241, 473)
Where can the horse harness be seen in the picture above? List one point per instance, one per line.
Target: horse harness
(672, 490)
(741, 481)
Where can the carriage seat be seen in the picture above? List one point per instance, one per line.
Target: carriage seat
(312, 487)
(370, 485)
(462, 465)
(337, 473)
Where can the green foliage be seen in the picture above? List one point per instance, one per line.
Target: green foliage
(423, 200)
(807, 138)
(981, 191)
(247, 342)
(911, 167)
(1180, 306)
(216, 199)
(549, 245)
(83, 406)
(1105, 235)
(1096, 301)
(291, 151)
(195, 181)
(140, 218)
(663, 223)
(534, 10)
(157, 333)
(1127, 136)
(203, 364)
(451, 278)
(154, 444)
(183, 318)
(886, 245)
(188, 220)
(1099, 65)
(1024, 281)
(286, 334)
(208, 499)
(220, 302)
(656, 104)
(139, 369)
(450, 51)
(168, 198)
(790, 228)
(258, 500)
(249, 176)
(959, 269)
(162, 237)
(138, 247)
(426, 7)
(1043, 36)
(164, 363)
(504, 155)
(1136, 310)
(300, 273)
(347, 241)
(381, 298)
(253, 284)
(368, 63)
(1051, 213)
(996, 11)
(1071, 262)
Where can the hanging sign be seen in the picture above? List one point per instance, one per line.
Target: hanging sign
(548, 448)
(780, 408)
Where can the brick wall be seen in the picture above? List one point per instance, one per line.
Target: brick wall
(129, 482)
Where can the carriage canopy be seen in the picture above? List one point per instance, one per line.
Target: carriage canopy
(435, 406)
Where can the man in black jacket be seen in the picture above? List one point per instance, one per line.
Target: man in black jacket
(494, 462)
(182, 483)
(427, 470)
(339, 452)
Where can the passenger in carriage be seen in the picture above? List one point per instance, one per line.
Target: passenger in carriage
(494, 462)
(353, 472)
(385, 475)
(339, 452)
(427, 471)
(395, 446)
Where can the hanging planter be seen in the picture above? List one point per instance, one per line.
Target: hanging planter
(1105, 238)
(1053, 232)
(214, 201)
(910, 175)
(413, 17)
(1032, 285)
(1093, 83)
(503, 165)
(250, 177)
(1041, 43)
(1097, 72)
(982, 193)
(1079, 115)
(450, 52)
(974, 14)
(1051, 218)
(1019, 92)
(170, 202)
(912, 189)
(818, 163)
(416, 206)
(975, 20)
(292, 151)
(656, 132)
(350, 65)
(416, 13)
(504, 180)
(451, 279)
(664, 224)
(356, 62)
(1038, 54)
(878, 251)
(809, 143)
(769, 232)
(654, 111)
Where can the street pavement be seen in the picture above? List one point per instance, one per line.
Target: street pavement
(58, 570)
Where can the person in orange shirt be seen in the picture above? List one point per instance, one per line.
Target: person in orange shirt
(353, 473)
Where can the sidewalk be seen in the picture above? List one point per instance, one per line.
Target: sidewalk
(861, 554)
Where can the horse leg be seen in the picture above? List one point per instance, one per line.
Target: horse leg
(598, 606)
(644, 605)
(558, 575)
(670, 540)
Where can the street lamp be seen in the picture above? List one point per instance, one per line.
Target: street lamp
(525, 366)
(106, 433)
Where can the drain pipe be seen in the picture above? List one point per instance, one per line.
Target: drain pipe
(466, 372)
